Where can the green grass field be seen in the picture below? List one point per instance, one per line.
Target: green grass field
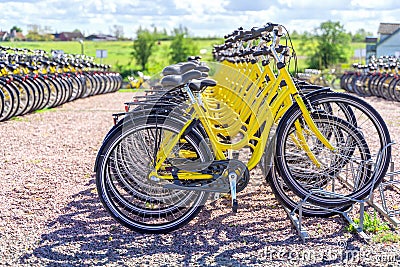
(119, 52)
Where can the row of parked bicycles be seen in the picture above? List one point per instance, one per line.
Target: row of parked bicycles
(379, 78)
(195, 131)
(34, 80)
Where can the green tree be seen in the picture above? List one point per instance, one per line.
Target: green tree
(181, 46)
(295, 35)
(161, 35)
(330, 44)
(37, 33)
(117, 31)
(143, 47)
(360, 35)
(17, 29)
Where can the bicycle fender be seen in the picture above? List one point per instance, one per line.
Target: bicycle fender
(119, 127)
(105, 141)
(323, 90)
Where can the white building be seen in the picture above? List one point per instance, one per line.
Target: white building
(389, 40)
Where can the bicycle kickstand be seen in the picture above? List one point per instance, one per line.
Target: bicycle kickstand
(232, 182)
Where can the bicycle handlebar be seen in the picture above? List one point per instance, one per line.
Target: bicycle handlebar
(253, 43)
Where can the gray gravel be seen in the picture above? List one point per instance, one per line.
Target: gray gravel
(50, 214)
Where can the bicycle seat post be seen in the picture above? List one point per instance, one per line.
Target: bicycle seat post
(190, 94)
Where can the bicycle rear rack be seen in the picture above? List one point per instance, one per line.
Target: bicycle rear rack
(390, 214)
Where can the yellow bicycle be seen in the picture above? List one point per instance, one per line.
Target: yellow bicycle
(187, 139)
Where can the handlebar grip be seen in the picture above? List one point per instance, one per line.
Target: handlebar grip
(269, 27)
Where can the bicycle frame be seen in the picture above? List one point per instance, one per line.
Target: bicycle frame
(274, 110)
(241, 110)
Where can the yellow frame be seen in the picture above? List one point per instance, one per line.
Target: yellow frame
(235, 95)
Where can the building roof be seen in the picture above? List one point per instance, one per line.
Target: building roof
(388, 28)
(72, 35)
(17, 35)
(103, 37)
(382, 40)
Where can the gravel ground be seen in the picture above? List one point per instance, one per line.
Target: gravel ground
(50, 214)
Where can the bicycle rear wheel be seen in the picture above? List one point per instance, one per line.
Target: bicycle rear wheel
(122, 175)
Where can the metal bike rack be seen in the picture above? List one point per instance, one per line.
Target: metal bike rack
(387, 213)
(383, 209)
(302, 231)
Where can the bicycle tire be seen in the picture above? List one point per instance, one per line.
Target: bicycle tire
(54, 92)
(374, 85)
(372, 124)
(65, 89)
(38, 91)
(89, 84)
(46, 92)
(357, 84)
(103, 84)
(134, 213)
(35, 92)
(343, 79)
(396, 90)
(8, 101)
(108, 83)
(366, 83)
(68, 86)
(24, 96)
(98, 84)
(350, 82)
(76, 87)
(61, 95)
(32, 96)
(391, 88)
(1, 103)
(14, 90)
(383, 87)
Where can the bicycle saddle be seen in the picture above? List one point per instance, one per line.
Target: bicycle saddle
(178, 69)
(198, 85)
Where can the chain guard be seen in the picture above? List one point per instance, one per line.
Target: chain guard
(220, 183)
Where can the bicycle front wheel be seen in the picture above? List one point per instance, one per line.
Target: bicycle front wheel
(357, 167)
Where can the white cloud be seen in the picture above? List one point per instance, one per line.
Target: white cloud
(252, 5)
(197, 8)
(377, 5)
(201, 17)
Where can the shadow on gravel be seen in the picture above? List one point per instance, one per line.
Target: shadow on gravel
(87, 236)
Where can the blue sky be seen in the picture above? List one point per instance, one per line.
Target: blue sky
(201, 17)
